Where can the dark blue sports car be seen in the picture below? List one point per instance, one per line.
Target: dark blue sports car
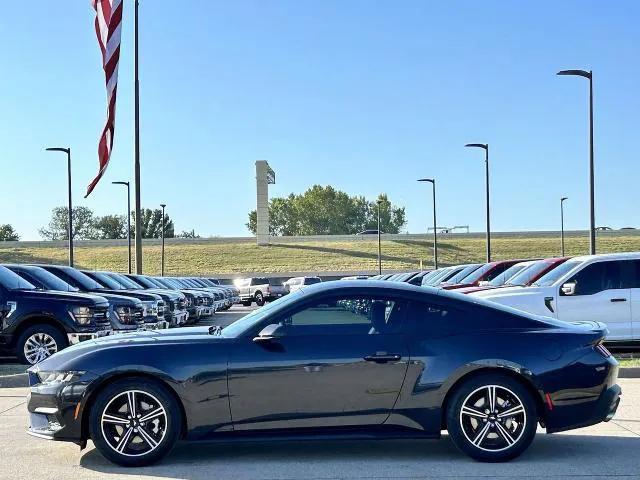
(361, 359)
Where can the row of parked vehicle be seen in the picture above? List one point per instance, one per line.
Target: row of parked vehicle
(45, 308)
(601, 288)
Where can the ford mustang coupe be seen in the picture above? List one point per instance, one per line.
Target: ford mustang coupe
(357, 359)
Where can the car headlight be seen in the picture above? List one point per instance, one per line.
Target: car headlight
(52, 378)
(82, 315)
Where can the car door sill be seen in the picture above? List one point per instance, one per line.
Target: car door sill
(309, 434)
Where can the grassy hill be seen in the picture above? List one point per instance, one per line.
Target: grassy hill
(307, 256)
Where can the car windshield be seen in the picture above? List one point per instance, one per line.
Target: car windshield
(125, 282)
(105, 280)
(49, 280)
(433, 280)
(524, 276)
(478, 273)
(554, 275)
(464, 273)
(84, 282)
(12, 281)
(240, 326)
(509, 273)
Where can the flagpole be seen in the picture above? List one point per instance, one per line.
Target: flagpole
(137, 146)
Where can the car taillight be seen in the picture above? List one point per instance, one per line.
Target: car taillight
(602, 350)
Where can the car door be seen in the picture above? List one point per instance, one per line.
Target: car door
(340, 361)
(601, 293)
(635, 300)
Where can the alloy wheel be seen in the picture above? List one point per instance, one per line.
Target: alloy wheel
(134, 423)
(39, 346)
(493, 418)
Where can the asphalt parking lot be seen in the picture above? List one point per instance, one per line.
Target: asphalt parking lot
(608, 450)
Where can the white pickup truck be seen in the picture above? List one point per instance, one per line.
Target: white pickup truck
(259, 290)
(602, 288)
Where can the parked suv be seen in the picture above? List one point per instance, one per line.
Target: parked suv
(602, 288)
(125, 314)
(296, 283)
(259, 290)
(35, 324)
(481, 275)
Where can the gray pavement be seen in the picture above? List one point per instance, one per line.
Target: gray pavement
(608, 450)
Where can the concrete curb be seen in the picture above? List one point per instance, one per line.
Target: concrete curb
(14, 381)
(629, 372)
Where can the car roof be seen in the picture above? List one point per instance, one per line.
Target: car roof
(608, 256)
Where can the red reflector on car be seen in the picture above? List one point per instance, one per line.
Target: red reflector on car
(549, 401)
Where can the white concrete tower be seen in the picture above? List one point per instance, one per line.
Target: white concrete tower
(264, 177)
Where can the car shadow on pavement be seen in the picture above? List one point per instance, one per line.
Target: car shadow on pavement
(564, 455)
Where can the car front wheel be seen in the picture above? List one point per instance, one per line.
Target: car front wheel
(39, 342)
(135, 422)
(259, 299)
(492, 418)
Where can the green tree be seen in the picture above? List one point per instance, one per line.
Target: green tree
(83, 224)
(327, 211)
(8, 234)
(188, 234)
(151, 224)
(111, 226)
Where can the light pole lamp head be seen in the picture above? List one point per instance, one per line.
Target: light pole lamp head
(163, 205)
(120, 183)
(430, 180)
(484, 146)
(58, 149)
(575, 73)
(564, 198)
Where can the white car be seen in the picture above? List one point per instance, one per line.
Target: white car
(296, 283)
(602, 288)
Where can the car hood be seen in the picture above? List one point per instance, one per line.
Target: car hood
(533, 300)
(69, 297)
(131, 294)
(73, 355)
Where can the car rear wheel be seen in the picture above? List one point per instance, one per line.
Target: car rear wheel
(135, 422)
(39, 342)
(259, 299)
(492, 418)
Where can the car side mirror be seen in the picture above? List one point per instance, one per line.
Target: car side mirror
(270, 332)
(568, 289)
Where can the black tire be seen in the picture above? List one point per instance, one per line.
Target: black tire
(43, 331)
(496, 445)
(259, 298)
(165, 432)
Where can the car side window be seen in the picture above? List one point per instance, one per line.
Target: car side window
(602, 276)
(346, 316)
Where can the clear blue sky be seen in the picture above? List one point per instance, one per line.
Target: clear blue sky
(365, 96)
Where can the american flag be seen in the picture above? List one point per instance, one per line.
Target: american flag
(108, 25)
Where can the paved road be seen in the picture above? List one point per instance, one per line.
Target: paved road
(609, 450)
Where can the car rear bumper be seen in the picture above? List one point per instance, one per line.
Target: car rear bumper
(585, 414)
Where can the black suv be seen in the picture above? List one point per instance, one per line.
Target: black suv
(153, 304)
(35, 324)
(125, 313)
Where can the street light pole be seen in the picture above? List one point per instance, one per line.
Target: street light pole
(562, 225)
(432, 181)
(163, 205)
(128, 218)
(137, 145)
(592, 210)
(379, 243)
(70, 205)
(485, 147)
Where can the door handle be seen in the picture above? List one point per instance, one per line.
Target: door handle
(618, 299)
(383, 357)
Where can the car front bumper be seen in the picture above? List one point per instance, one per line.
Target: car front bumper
(56, 411)
(77, 337)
